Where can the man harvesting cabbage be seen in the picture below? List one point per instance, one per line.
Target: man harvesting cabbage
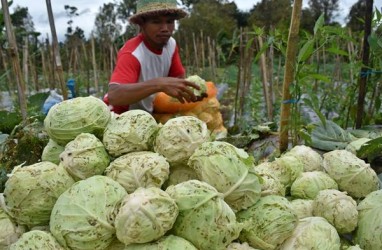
(149, 62)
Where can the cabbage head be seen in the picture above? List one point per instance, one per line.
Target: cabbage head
(239, 246)
(180, 173)
(10, 232)
(230, 170)
(170, 242)
(267, 223)
(84, 157)
(368, 233)
(302, 207)
(313, 233)
(270, 184)
(31, 192)
(69, 118)
(179, 137)
(37, 240)
(145, 215)
(52, 152)
(337, 208)
(131, 131)
(352, 174)
(200, 82)
(204, 219)
(310, 159)
(308, 184)
(139, 169)
(286, 168)
(83, 216)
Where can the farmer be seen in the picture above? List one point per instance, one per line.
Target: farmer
(149, 62)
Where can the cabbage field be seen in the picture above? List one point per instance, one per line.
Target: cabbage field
(107, 181)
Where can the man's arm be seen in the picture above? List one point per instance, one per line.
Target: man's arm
(126, 94)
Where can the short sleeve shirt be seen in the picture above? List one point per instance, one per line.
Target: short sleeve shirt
(137, 62)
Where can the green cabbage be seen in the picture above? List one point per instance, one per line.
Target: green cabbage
(139, 169)
(145, 215)
(84, 157)
(200, 82)
(131, 131)
(313, 233)
(368, 234)
(37, 240)
(239, 246)
(178, 138)
(268, 223)
(52, 152)
(270, 183)
(83, 216)
(69, 118)
(286, 169)
(337, 208)
(352, 174)
(10, 232)
(31, 192)
(302, 207)
(204, 219)
(230, 170)
(308, 184)
(170, 242)
(310, 159)
(180, 173)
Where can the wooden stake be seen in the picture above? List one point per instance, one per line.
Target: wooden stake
(289, 73)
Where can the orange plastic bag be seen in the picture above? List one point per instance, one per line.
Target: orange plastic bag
(165, 104)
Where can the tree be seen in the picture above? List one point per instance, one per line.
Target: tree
(356, 16)
(328, 7)
(271, 13)
(209, 19)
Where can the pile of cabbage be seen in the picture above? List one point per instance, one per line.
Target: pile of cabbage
(127, 182)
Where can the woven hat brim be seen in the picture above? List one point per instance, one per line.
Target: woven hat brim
(137, 18)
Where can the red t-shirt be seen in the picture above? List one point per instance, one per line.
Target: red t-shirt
(138, 62)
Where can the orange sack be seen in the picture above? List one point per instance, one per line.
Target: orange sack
(165, 104)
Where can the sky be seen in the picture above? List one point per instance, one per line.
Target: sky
(89, 8)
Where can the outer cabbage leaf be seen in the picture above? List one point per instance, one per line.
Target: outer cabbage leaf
(131, 131)
(36, 239)
(204, 219)
(229, 170)
(267, 223)
(352, 174)
(52, 152)
(179, 137)
(139, 169)
(83, 216)
(69, 118)
(337, 208)
(170, 242)
(84, 157)
(308, 184)
(145, 215)
(313, 233)
(31, 192)
(368, 234)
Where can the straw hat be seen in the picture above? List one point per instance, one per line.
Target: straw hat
(156, 7)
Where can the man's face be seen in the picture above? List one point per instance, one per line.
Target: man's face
(158, 30)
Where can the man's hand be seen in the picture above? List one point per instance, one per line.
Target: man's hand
(178, 88)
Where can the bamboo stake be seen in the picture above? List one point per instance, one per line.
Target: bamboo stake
(25, 61)
(94, 63)
(264, 75)
(15, 60)
(289, 73)
(56, 52)
(365, 61)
